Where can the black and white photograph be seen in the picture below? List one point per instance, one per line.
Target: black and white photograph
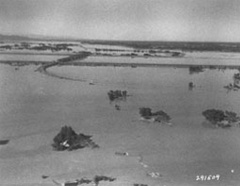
(119, 92)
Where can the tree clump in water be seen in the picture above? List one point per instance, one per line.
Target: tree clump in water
(190, 85)
(235, 86)
(68, 139)
(97, 179)
(139, 184)
(159, 116)
(236, 76)
(117, 94)
(195, 69)
(220, 118)
(232, 86)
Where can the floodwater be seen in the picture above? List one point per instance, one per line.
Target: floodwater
(197, 58)
(34, 107)
(32, 57)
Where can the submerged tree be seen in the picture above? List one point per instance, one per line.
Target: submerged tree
(117, 94)
(220, 118)
(190, 86)
(159, 116)
(68, 139)
(236, 76)
(195, 69)
(231, 116)
(145, 112)
(97, 179)
(214, 115)
(235, 85)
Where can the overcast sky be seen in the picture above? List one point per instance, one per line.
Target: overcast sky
(182, 20)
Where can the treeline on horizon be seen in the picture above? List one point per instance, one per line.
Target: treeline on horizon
(172, 45)
(162, 45)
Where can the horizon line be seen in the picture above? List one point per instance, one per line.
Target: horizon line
(49, 37)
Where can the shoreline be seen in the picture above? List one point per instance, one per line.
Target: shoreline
(45, 65)
(76, 60)
(34, 53)
(118, 64)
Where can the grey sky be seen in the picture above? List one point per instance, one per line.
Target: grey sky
(187, 20)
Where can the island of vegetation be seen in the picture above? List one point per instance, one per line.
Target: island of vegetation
(220, 118)
(56, 47)
(235, 85)
(68, 139)
(139, 184)
(232, 86)
(96, 180)
(117, 95)
(39, 46)
(196, 69)
(166, 45)
(159, 116)
(131, 52)
(236, 76)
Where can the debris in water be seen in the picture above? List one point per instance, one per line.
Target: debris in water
(191, 85)
(139, 184)
(154, 174)
(44, 177)
(4, 142)
(117, 107)
(121, 153)
(91, 83)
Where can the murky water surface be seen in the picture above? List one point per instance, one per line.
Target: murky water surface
(34, 107)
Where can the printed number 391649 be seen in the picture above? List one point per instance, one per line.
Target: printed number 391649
(207, 177)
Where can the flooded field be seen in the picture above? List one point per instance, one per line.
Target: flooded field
(24, 57)
(195, 58)
(34, 107)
